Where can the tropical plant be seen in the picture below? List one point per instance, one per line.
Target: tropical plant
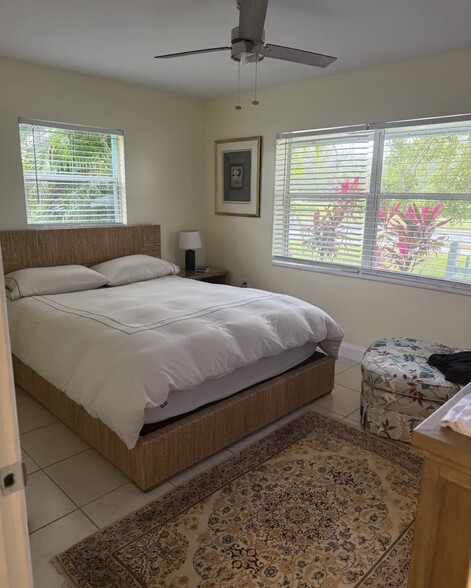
(407, 239)
(329, 227)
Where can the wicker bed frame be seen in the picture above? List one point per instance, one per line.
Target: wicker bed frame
(191, 438)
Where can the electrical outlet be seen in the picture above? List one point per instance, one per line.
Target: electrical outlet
(245, 284)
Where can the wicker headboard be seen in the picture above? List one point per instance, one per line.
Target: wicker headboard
(83, 246)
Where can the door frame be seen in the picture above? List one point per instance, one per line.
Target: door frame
(15, 557)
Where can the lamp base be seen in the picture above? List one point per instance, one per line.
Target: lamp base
(190, 260)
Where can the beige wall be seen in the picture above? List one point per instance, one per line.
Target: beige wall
(163, 136)
(367, 310)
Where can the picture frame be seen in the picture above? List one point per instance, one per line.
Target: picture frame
(237, 163)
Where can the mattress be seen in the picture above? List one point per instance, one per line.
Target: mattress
(182, 401)
(120, 351)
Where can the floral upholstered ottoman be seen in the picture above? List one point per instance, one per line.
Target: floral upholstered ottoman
(399, 389)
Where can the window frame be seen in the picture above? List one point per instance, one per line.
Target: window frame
(373, 198)
(120, 210)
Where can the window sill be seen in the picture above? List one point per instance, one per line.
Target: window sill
(437, 286)
(73, 225)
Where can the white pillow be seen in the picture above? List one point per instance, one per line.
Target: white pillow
(135, 268)
(58, 279)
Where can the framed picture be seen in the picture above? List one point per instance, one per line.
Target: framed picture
(238, 176)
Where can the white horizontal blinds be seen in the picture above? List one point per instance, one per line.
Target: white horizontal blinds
(72, 175)
(424, 206)
(322, 184)
(392, 200)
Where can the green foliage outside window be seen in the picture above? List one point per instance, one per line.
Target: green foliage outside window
(71, 176)
(437, 164)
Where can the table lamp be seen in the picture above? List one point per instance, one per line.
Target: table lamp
(189, 240)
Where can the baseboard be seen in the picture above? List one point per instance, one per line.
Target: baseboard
(353, 352)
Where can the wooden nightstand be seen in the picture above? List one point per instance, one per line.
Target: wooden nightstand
(215, 275)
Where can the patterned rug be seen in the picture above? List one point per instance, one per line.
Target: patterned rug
(315, 504)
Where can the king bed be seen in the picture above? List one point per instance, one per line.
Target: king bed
(159, 374)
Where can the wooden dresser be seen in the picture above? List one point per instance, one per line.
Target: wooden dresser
(442, 545)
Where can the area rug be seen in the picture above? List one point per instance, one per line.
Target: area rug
(314, 504)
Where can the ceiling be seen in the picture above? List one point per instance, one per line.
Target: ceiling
(118, 38)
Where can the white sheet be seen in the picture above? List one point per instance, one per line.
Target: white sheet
(117, 351)
(458, 417)
(183, 401)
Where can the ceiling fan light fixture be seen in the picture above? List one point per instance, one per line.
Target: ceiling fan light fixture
(247, 58)
(247, 52)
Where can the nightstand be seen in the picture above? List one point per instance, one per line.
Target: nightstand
(215, 275)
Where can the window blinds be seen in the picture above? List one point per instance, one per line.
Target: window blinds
(321, 189)
(392, 202)
(72, 174)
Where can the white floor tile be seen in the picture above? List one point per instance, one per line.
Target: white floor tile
(351, 378)
(354, 417)
(347, 359)
(31, 465)
(343, 364)
(341, 400)
(354, 420)
(200, 467)
(86, 476)
(54, 539)
(31, 415)
(238, 445)
(121, 502)
(284, 420)
(52, 443)
(44, 501)
(315, 407)
(21, 395)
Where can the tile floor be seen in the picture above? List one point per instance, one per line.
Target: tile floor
(72, 491)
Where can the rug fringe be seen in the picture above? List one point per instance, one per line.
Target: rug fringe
(67, 581)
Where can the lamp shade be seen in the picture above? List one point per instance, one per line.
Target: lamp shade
(189, 240)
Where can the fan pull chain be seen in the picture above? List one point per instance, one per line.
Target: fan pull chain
(255, 102)
(238, 107)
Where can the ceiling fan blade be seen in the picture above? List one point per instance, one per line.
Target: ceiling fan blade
(297, 55)
(252, 19)
(196, 52)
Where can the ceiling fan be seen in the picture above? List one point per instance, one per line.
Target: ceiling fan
(248, 41)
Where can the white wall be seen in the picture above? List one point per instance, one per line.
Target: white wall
(366, 310)
(163, 137)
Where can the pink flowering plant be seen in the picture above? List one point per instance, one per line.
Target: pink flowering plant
(406, 239)
(330, 223)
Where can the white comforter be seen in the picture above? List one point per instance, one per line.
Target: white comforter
(117, 351)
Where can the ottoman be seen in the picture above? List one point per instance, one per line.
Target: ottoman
(399, 389)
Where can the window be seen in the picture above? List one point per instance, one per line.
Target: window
(390, 201)
(72, 174)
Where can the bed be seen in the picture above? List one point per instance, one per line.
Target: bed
(179, 440)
